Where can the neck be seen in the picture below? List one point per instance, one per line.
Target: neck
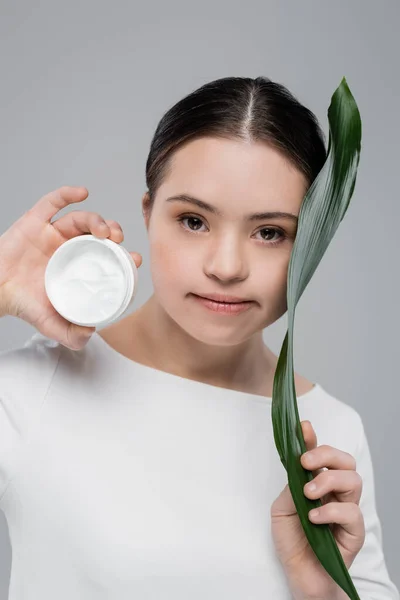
(163, 345)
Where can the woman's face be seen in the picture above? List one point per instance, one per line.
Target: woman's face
(196, 251)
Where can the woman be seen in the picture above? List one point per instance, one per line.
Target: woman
(139, 461)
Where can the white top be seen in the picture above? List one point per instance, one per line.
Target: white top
(120, 481)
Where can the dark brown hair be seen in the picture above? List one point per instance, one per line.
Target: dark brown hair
(238, 108)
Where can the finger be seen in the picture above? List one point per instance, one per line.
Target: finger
(346, 522)
(50, 204)
(310, 439)
(137, 258)
(329, 457)
(80, 222)
(346, 514)
(78, 336)
(73, 336)
(117, 235)
(346, 485)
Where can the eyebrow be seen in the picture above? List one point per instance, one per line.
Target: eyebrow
(250, 217)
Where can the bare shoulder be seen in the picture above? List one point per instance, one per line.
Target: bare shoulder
(302, 384)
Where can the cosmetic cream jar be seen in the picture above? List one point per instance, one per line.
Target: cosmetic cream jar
(91, 281)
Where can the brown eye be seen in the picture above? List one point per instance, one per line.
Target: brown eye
(281, 236)
(193, 220)
(271, 232)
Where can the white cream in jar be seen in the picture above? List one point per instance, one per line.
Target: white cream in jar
(91, 281)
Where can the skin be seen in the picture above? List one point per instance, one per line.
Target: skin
(339, 487)
(170, 331)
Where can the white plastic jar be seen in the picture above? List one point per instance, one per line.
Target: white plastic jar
(91, 281)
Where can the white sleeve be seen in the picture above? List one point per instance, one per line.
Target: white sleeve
(25, 376)
(368, 571)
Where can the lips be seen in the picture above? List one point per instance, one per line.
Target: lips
(223, 308)
(223, 299)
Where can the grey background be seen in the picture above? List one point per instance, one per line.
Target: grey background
(83, 86)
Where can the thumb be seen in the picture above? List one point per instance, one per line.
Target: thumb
(284, 504)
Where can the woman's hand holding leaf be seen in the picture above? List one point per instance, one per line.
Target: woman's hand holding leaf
(339, 488)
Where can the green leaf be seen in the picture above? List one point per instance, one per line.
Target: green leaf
(322, 210)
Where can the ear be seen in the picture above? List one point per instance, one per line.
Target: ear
(146, 209)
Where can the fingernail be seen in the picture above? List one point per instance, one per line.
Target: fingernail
(313, 513)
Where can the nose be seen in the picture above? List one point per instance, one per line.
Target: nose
(226, 261)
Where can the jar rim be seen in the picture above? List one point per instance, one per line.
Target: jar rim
(125, 260)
